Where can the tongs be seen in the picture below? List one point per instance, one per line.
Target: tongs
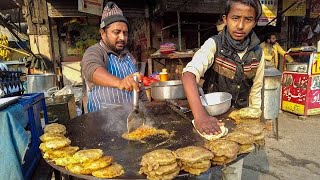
(136, 117)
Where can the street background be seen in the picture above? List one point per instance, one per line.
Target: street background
(294, 156)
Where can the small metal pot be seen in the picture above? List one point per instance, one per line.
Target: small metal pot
(218, 103)
(40, 82)
(167, 90)
(297, 67)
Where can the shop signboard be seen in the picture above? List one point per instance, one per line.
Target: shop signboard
(315, 8)
(294, 92)
(269, 12)
(314, 96)
(299, 9)
(315, 63)
(91, 6)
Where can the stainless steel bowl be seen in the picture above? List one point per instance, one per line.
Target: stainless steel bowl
(218, 103)
(167, 90)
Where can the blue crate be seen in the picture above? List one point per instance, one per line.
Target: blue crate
(34, 105)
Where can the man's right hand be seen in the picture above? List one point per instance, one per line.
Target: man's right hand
(128, 83)
(208, 125)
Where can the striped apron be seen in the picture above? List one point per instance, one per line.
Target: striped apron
(100, 97)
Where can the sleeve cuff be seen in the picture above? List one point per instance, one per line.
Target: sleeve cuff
(192, 70)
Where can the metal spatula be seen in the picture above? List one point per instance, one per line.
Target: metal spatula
(136, 117)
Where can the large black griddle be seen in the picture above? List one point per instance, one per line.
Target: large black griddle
(103, 130)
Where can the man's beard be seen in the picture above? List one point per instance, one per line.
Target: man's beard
(113, 47)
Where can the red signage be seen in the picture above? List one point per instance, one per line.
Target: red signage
(294, 87)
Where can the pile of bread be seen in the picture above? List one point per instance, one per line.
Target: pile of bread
(248, 121)
(248, 134)
(56, 148)
(164, 164)
(193, 159)
(243, 139)
(160, 164)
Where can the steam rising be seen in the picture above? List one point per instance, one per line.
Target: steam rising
(116, 117)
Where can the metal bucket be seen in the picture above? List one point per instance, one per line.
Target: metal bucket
(40, 82)
(271, 98)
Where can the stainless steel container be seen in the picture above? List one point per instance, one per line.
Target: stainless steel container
(297, 67)
(271, 93)
(167, 90)
(40, 82)
(218, 103)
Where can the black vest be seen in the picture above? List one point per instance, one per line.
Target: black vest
(231, 74)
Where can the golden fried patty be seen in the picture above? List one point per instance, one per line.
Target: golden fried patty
(197, 165)
(165, 169)
(252, 128)
(111, 171)
(55, 144)
(98, 164)
(50, 137)
(196, 171)
(88, 155)
(248, 112)
(55, 128)
(226, 161)
(158, 157)
(58, 153)
(246, 148)
(168, 176)
(240, 137)
(222, 147)
(193, 154)
(78, 169)
(65, 161)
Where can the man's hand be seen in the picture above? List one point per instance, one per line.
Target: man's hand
(208, 125)
(129, 84)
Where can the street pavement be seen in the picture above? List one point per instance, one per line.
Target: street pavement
(295, 156)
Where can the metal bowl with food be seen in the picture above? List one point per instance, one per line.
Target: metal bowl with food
(218, 103)
(166, 90)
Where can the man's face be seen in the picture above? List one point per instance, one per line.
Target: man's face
(115, 36)
(273, 39)
(240, 21)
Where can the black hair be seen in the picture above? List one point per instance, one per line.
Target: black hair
(268, 36)
(255, 4)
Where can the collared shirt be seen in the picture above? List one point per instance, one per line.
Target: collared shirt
(204, 58)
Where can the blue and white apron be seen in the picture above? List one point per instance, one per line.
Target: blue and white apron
(100, 96)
